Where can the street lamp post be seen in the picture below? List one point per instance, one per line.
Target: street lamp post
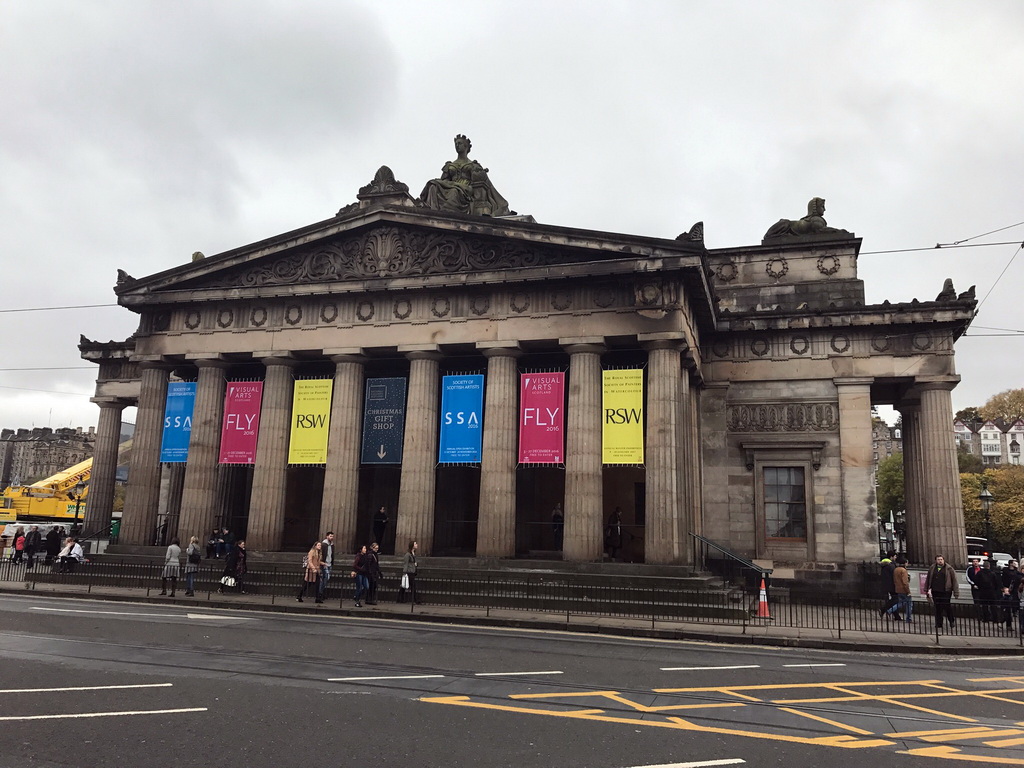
(986, 498)
(79, 490)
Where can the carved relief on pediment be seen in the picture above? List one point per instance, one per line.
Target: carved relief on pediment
(783, 417)
(391, 252)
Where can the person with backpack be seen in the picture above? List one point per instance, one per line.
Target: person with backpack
(193, 557)
(312, 565)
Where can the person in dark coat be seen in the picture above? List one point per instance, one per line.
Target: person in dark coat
(33, 543)
(53, 540)
(1011, 578)
(889, 585)
(989, 588)
(234, 567)
(359, 574)
(380, 525)
(373, 573)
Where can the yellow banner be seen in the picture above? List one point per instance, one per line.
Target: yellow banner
(311, 420)
(622, 416)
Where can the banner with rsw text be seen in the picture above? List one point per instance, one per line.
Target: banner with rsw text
(622, 416)
(383, 421)
(462, 408)
(241, 423)
(181, 400)
(311, 421)
(541, 418)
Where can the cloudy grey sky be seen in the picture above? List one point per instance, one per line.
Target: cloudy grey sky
(138, 132)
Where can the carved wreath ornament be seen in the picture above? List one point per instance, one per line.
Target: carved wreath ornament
(783, 417)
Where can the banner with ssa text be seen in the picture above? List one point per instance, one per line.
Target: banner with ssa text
(383, 421)
(622, 416)
(181, 400)
(542, 418)
(462, 409)
(241, 425)
(311, 421)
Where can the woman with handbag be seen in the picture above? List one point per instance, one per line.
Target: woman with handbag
(234, 569)
(409, 574)
(193, 557)
(313, 564)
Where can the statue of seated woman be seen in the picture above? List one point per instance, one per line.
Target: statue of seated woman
(812, 224)
(464, 186)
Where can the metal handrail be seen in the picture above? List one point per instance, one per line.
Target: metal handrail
(732, 555)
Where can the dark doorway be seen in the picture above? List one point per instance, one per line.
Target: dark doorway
(456, 509)
(235, 484)
(305, 489)
(378, 487)
(538, 490)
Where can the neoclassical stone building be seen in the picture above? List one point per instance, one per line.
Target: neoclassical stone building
(760, 366)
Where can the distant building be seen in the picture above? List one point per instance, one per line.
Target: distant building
(996, 442)
(27, 455)
(886, 440)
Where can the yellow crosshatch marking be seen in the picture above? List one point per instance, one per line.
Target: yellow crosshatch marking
(966, 743)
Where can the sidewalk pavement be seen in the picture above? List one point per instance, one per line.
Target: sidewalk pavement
(757, 632)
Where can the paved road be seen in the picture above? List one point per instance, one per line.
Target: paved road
(89, 683)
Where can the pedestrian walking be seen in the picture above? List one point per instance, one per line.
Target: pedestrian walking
(19, 545)
(53, 540)
(359, 574)
(408, 583)
(193, 557)
(1011, 578)
(373, 573)
(889, 585)
(380, 524)
(941, 585)
(172, 567)
(971, 574)
(558, 525)
(327, 558)
(901, 582)
(234, 568)
(33, 543)
(312, 564)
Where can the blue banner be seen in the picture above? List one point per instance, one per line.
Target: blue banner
(181, 399)
(462, 410)
(383, 421)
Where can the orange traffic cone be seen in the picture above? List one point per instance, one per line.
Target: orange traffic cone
(762, 603)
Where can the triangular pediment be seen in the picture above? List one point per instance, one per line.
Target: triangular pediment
(395, 244)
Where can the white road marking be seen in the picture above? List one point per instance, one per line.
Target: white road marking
(106, 613)
(973, 658)
(104, 714)
(390, 677)
(686, 669)
(87, 688)
(702, 764)
(511, 674)
(814, 665)
(224, 618)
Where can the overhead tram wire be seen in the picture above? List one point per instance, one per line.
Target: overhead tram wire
(53, 309)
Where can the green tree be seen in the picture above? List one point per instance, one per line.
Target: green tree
(890, 485)
(1008, 406)
(967, 415)
(968, 462)
(1007, 512)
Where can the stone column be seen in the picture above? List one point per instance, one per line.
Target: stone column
(943, 504)
(584, 493)
(666, 497)
(99, 505)
(496, 521)
(917, 550)
(856, 450)
(338, 510)
(419, 453)
(175, 477)
(142, 496)
(199, 493)
(269, 482)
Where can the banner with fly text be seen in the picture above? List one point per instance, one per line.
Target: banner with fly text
(241, 425)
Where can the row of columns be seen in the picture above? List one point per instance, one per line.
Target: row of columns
(672, 503)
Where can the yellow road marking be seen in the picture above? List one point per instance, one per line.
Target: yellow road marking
(618, 697)
(820, 719)
(858, 695)
(742, 695)
(894, 699)
(915, 734)
(987, 733)
(1005, 743)
(1014, 679)
(782, 686)
(952, 753)
(848, 742)
(985, 694)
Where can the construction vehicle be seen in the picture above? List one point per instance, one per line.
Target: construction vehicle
(56, 498)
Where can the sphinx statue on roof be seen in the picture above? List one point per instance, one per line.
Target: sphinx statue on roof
(813, 224)
(464, 186)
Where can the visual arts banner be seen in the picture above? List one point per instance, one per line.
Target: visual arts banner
(542, 418)
(181, 400)
(383, 421)
(241, 425)
(622, 416)
(311, 421)
(462, 409)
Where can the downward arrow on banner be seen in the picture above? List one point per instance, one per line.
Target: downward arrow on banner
(381, 453)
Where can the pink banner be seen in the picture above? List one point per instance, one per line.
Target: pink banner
(541, 418)
(241, 422)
